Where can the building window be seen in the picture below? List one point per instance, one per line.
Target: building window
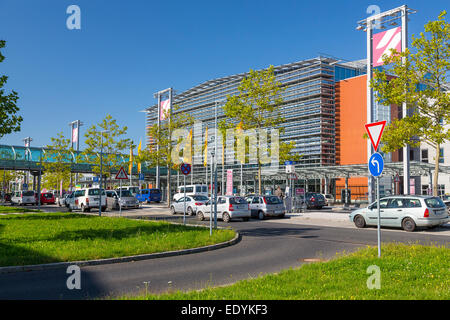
(441, 155)
(425, 155)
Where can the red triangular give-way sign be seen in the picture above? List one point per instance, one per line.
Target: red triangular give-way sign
(375, 130)
(121, 174)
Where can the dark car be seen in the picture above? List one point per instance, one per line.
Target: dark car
(7, 197)
(314, 200)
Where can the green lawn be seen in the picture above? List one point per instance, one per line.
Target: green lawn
(7, 209)
(407, 272)
(54, 237)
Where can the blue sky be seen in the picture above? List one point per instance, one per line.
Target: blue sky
(128, 50)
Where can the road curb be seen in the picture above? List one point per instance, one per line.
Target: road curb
(48, 266)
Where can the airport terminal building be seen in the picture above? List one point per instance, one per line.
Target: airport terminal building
(324, 110)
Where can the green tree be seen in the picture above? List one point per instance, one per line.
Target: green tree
(106, 137)
(256, 106)
(418, 78)
(57, 161)
(9, 121)
(162, 136)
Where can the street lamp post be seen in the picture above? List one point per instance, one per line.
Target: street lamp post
(101, 172)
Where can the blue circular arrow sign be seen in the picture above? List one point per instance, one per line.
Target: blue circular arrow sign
(376, 164)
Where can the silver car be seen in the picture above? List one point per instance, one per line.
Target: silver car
(192, 204)
(114, 201)
(407, 212)
(228, 207)
(23, 198)
(265, 206)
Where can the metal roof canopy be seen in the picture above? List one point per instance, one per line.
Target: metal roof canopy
(361, 170)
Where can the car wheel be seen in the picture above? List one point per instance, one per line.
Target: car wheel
(246, 219)
(226, 217)
(359, 221)
(282, 216)
(83, 208)
(190, 212)
(172, 210)
(104, 209)
(200, 216)
(408, 224)
(261, 215)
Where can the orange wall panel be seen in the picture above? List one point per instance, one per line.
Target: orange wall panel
(351, 116)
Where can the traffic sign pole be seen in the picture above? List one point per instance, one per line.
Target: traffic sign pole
(184, 201)
(378, 224)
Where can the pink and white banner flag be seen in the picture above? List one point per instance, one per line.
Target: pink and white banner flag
(163, 109)
(74, 134)
(383, 42)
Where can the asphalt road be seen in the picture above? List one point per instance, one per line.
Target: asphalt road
(266, 247)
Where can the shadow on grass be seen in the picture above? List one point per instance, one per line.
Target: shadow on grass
(120, 233)
(46, 216)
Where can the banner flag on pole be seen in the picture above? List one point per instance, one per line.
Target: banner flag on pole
(74, 134)
(187, 151)
(205, 160)
(383, 42)
(130, 166)
(139, 153)
(164, 109)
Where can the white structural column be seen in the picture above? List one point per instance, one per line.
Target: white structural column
(406, 149)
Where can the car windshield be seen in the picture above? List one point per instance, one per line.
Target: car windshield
(133, 189)
(434, 202)
(28, 193)
(125, 193)
(273, 200)
(238, 200)
(153, 191)
(47, 195)
(95, 192)
(200, 198)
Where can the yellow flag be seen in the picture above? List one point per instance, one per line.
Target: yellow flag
(187, 151)
(240, 143)
(205, 161)
(130, 166)
(139, 153)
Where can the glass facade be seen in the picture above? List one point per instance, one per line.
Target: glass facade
(308, 107)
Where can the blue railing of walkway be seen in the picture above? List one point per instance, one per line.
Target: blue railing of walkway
(28, 158)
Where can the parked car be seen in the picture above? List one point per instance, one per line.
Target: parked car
(265, 206)
(192, 204)
(228, 207)
(133, 189)
(148, 195)
(86, 199)
(23, 198)
(407, 212)
(61, 201)
(329, 199)
(114, 200)
(47, 198)
(314, 200)
(7, 197)
(195, 189)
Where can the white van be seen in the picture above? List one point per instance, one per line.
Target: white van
(86, 199)
(191, 190)
(23, 198)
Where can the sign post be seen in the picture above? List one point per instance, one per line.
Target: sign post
(185, 170)
(376, 166)
(121, 175)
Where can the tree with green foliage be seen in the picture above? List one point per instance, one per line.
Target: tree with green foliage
(257, 106)
(106, 137)
(161, 136)
(56, 162)
(9, 120)
(418, 77)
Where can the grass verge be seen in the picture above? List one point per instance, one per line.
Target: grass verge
(407, 272)
(59, 237)
(7, 209)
